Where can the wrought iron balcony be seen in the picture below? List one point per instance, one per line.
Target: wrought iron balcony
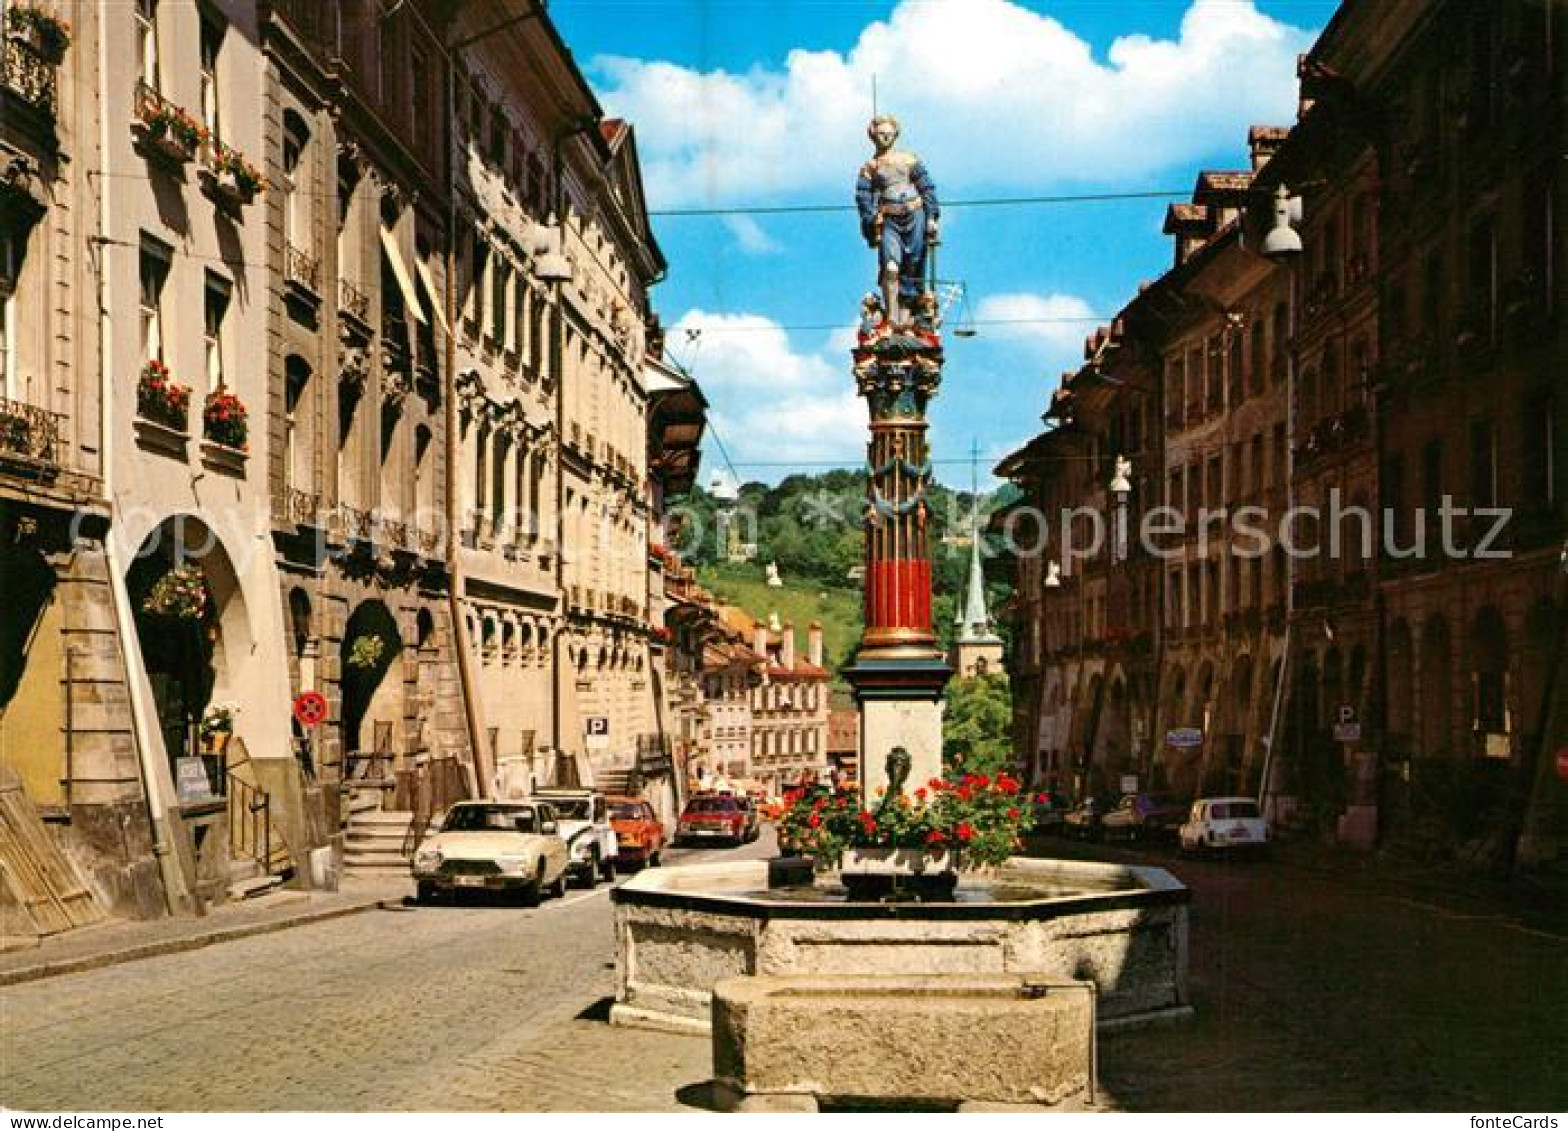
(353, 301)
(28, 74)
(301, 268)
(29, 436)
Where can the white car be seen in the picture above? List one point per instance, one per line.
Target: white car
(493, 846)
(1224, 824)
(583, 816)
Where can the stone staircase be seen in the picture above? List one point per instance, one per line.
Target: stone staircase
(618, 783)
(375, 838)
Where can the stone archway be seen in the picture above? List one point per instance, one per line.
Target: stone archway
(1436, 717)
(193, 631)
(373, 704)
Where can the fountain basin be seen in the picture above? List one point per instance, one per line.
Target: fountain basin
(680, 930)
(785, 1044)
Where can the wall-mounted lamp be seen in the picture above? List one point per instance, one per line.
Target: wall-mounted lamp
(1283, 241)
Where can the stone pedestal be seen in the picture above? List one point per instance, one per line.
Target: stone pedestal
(786, 1043)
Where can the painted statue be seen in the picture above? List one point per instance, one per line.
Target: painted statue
(898, 766)
(898, 217)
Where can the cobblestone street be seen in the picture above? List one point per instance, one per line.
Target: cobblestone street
(1309, 996)
(446, 1008)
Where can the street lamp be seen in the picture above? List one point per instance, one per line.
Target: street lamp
(1121, 487)
(1283, 241)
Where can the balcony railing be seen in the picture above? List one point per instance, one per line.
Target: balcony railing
(29, 433)
(301, 269)
(353, 301)
(28, 74)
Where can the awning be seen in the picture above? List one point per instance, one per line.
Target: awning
(405, 281)
(430, 289)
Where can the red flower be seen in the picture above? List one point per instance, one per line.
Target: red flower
(920, 795)
(814, 820)
(820, 804)
(937, 785)
(1042, 798)
(1007, 783)
(963, 793)
(983, 781)
(965, 832)
(1013, 814)
(936, 836)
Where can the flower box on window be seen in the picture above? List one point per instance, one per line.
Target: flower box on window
(167, 131)
(229, 178)
(47, 34)
(224, 420)
(162, 400)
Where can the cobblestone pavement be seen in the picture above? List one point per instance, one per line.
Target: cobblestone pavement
(1318, 994)
(445, 1008)
(1310, 995)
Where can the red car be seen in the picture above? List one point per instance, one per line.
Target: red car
(639, 833)
(720, 816)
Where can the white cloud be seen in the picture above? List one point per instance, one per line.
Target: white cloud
(1052, 326)
(771, 404)
(750, 237)
(989, 92)
(746, 353)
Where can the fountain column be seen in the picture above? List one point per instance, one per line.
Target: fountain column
(899, 669)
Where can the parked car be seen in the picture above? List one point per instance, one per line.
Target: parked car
(1224, 824)
(1142, 816)
(717, 816)
(512, 846)
(639, 834)
(1083, 819)
(584, 819)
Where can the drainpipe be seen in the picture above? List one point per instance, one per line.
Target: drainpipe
(1266, 790)
(176, 895)
(481, 770)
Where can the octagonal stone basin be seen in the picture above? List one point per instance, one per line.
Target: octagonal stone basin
(679, 930)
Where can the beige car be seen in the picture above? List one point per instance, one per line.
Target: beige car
(493, 846)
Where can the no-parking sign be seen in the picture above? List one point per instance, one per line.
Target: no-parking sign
(311, 708)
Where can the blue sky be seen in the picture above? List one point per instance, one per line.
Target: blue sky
(743, 103)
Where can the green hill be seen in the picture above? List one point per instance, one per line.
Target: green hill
(810, 526)
(801, 601)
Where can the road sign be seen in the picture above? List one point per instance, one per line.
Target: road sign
(311, 709)
(596, 732)
(1184, 737)
(1347, 728)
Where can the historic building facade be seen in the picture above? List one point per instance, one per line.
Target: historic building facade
(361, 394)
(1393, 392)
(419, 257)
(69, 752)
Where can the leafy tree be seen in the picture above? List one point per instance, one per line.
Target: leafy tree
(977, 724)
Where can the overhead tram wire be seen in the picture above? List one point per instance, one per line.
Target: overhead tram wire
(982, 202)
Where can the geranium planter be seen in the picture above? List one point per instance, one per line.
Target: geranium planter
(225, 190)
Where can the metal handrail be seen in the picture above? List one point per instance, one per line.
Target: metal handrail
(250, 821)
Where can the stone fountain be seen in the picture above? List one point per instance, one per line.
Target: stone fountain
(1119, 930)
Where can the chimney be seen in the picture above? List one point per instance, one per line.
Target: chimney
(759, 640)
(1263, 141)
(787, 645)
(814, 643)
